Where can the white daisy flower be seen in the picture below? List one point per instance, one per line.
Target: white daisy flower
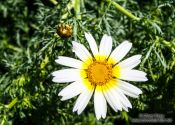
(102, 73)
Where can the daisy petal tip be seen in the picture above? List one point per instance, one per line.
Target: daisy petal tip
(57, 60)
(140, 92)
(86, 33)
(139, 56)
(62, 99)
(104, 116)
(60, 94)
(79, 112)
(73, 50)
(130, 106)
(54, 74)
(59, 57)
(108, 37)
(128, 42)
(98, 117)
(54, 79)
(105, 35)
(124, 42)
(74, 110)
(74, 43)
(126, 109)
(145, 79)
(136, 97)
(120, 108)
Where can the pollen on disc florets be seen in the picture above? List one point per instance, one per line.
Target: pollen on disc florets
(99, 73)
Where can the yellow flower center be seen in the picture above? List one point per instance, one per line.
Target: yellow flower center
(99, 73)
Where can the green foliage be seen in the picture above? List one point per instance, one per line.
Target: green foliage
(29, 45)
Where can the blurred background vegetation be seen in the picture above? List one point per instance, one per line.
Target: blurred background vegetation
(31, 39)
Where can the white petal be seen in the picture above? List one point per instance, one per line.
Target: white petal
(125, 108)
(92, 43)
(70, 62)
(113, 99)
(130, 62)
(66, 75)
(70, 91)
(124, 100)
(133, 75)
(128, 87)
(81, 51)
(120, 51)
(82, 101)
(110, 102)
(105, 45)
(100, 105)
(129, 94)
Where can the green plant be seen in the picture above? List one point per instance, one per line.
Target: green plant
(29, 45)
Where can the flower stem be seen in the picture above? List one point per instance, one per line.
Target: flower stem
(12, 103)
(14, 48)
(77, 8)
(123, 10)
(54, 2)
